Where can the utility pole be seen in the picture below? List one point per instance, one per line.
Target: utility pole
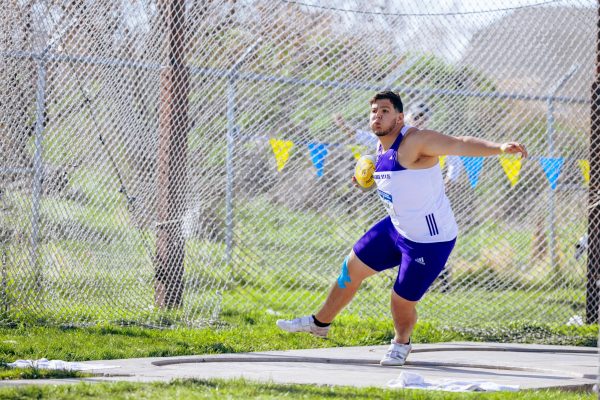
(593, 270)
(172, 159)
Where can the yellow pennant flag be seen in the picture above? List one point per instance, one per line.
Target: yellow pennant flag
(584, 166)
(281, 149)
(442, 161)
(512, 167)
(355, 149)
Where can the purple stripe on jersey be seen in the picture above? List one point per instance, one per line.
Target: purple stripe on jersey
(388, 161)
(432, 225)
(435, 228)
(429, 225)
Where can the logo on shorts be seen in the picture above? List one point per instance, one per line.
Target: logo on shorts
(420, 260)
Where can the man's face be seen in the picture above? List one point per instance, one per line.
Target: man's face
(384, 117)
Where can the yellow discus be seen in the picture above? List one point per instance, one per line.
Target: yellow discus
(364, 170)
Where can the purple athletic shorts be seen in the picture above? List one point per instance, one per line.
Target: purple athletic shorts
(382, 247)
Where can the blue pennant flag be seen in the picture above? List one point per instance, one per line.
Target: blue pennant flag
(318, 152)
(552, 167)
(473, 166)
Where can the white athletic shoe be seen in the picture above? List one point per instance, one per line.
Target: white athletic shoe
(396, 354)
(303, 324)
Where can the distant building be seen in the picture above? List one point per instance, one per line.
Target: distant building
(514, 50)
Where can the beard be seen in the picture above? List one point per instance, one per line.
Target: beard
(386, 132)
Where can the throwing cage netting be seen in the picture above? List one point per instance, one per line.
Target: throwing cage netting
(163, 161)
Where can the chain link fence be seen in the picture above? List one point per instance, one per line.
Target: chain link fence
(161, 162)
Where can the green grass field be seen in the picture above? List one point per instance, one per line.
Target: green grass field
(241, 389)
(236, 332)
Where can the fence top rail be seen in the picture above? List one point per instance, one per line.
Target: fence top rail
(256, 77)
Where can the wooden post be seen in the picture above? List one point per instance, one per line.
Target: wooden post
(593, 270)
(172, 159)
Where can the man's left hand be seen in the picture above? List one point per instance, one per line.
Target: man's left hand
(514, 148)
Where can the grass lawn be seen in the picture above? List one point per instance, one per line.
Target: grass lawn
(241, 389)
(238, 332)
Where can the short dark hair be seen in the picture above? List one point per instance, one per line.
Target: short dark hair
(391, 96)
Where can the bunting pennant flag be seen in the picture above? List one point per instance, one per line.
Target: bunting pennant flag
(442, 161)
(473, 166)
(552, 168)
(511, 166)
(355, 149)
(318, 152)
(584, 166)
(281, 149)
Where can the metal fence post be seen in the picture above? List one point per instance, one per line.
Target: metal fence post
(229, 168)
(38, 166)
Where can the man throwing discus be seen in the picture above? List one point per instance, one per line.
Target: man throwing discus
(418, 234)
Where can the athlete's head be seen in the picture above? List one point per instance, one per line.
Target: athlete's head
(386, 112)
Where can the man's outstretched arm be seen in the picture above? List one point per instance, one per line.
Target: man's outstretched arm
(432, 143)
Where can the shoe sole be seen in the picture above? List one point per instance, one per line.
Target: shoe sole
(390, 364)
(290, 331)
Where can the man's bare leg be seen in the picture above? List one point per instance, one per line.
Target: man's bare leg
(339, 297)
(404, 314)
(353, 273)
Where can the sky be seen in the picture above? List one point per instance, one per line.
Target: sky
(455, 21)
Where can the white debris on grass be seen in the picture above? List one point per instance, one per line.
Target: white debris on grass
(410, 380)
(44, 363)
(575, 320)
